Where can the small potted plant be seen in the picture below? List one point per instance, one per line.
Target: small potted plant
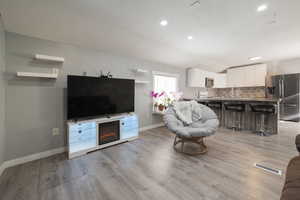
(161, 107)
(157, 101)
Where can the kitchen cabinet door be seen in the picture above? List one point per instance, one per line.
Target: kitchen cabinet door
(248, 76)
(231, 78)
(260, 75)
(235, 77)
(195, 78)
(220, 81)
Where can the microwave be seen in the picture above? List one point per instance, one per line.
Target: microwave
(209, 82)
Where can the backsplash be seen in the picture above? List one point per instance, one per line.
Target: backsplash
(246, 92)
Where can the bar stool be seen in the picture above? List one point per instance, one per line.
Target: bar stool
(262, 112)
(217, 108)
(236, 110)
(203, 102)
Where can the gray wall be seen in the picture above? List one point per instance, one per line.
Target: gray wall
(2, 92)
(287, 66)
(36, 106)
(290, 66)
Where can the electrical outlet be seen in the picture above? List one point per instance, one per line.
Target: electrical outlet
(55, 131)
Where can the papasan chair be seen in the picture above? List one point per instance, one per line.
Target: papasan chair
(202, 123)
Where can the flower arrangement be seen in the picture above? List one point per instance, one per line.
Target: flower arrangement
(162, 100)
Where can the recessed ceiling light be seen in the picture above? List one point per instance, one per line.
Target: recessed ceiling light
(163, 22)
(262, 7)
(190, 37)
(255, 58)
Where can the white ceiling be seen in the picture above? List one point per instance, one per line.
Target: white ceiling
(226, 32)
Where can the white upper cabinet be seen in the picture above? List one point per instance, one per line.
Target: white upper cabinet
(232, 77)
(196, 78)
(260, 75)
(220, 80)
(249, 76)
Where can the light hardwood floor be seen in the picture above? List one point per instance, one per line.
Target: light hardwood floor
(149, 168)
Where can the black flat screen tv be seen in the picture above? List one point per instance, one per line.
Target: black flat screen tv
(94, 96)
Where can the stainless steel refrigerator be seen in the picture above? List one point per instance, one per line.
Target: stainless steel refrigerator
(286, 88)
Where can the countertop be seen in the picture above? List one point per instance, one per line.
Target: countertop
(236, 99)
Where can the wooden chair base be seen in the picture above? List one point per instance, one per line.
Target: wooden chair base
(196, 140)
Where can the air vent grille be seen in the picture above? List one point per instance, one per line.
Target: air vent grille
(268, 169)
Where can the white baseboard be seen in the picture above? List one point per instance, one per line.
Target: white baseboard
(36, 156)
(29, 158)
(151, 127)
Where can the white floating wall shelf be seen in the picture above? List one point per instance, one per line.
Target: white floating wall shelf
(141, 71)
(37, 75)
(141, 82)
(49, 58)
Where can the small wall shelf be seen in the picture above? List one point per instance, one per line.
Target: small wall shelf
(37, 75)
(141, 82)
(141, 71)
(49, 58)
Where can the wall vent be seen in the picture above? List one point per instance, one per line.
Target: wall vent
(268, 169)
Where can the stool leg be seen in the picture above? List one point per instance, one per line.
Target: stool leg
(220, 117)
(233, 122)
(228, 119)
(262, 128)
(239, 121)
(255, 122)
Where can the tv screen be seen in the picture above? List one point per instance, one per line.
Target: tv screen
(94, 96)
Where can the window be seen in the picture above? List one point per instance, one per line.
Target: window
(165, 83)
(164, 88)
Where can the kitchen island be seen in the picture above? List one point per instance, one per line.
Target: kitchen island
(250, 121)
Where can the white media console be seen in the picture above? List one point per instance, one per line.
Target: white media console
(90, 135)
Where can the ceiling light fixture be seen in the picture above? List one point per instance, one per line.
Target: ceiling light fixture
(255, 58)
(190, 37)
(262, 7)
(163, 22)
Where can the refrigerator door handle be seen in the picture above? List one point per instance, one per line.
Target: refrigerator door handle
(291, 105)
(280, 93)
(282, 90)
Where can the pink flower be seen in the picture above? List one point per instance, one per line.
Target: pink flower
(161, 94)
(153, 94)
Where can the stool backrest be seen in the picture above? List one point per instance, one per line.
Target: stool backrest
(262, 108)
(237, 107)
(215, 105)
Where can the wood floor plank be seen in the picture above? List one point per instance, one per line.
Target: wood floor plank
(149, 169)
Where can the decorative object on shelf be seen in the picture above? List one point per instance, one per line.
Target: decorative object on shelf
(107, 75)
(161, 107)
(49, 58)
(162, 100)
